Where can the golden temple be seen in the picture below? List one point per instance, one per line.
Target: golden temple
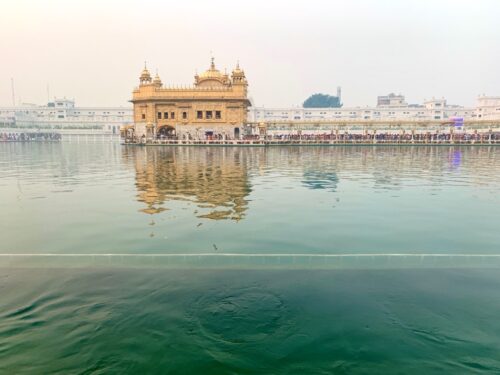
(215, 106)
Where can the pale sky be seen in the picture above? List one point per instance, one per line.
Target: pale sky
(94, 51)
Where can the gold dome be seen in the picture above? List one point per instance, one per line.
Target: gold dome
(212, 72)
(145, 73)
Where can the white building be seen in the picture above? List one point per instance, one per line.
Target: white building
(434, 109)
(391, 100)
(488, 107)
(62, 114)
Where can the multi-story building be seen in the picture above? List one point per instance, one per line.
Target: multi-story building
(391, 100)
(217, 104)
(434, 109)
(488, 107)
(62, 114)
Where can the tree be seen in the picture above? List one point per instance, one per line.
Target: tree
(322, 101)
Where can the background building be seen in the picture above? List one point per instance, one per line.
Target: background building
(391, 100)
(62, 114)
(433, 109)
(488, 107)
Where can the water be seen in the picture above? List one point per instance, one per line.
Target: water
(353, 259)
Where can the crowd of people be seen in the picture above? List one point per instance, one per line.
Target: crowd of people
(29, 137)
(344, 137)
(192, 137)
(387, 137)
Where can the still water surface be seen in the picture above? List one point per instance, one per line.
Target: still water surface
(249, 260)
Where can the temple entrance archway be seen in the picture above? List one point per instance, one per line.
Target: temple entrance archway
(166, 131)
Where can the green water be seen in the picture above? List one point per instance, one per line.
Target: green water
(119, 259)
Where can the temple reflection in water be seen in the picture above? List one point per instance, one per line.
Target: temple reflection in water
(214, 179)
(219, 180)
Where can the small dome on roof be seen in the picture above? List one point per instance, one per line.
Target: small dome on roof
(212, 72)
(145, 75)
(237, 70)
(157, 80)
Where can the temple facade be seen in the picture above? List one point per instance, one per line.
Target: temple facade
(215, 106)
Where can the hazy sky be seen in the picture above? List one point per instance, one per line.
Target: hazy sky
(94, 51)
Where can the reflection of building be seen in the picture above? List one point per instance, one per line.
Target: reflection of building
(215, 180)
(216, 104)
